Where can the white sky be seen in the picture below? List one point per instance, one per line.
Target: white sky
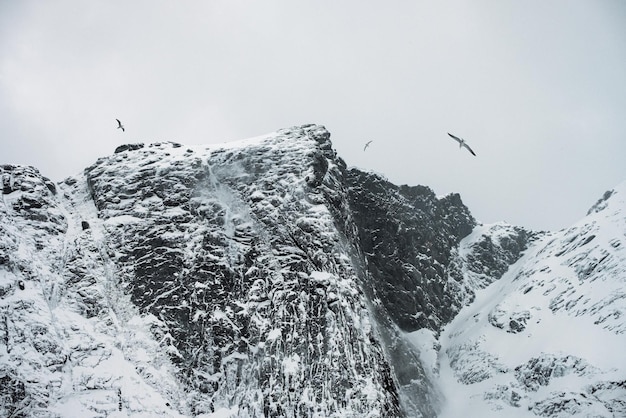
(537, 88)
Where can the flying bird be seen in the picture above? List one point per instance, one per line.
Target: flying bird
(462, 143)
(119, 125)
(367, 145)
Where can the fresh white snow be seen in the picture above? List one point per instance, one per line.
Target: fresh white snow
(559, 304)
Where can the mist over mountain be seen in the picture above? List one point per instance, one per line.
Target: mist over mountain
(265, 278)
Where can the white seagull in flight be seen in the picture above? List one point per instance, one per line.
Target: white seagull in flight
(367, 145)
(119, 125)
(462, 143)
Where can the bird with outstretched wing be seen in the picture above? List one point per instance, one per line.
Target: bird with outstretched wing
(462, 143)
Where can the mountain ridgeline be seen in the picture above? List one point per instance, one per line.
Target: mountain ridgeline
(261, 278)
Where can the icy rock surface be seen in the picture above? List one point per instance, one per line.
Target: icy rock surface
(235, 253)
(70, 344)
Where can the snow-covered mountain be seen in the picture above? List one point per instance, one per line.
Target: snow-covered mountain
(264, 278)
(548, 338)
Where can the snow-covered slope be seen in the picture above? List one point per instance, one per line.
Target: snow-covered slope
(548, 339)
(72, 343)
(264, 278)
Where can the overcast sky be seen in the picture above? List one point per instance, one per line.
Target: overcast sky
(537, 88)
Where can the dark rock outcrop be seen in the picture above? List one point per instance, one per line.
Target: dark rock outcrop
(407, 235)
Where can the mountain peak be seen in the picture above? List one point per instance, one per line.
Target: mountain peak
(616, 195)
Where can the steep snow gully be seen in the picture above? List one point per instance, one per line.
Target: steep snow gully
(265, 278)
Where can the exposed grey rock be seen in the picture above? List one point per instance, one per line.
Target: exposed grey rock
(539, 371)
(129, 147)
(237, 255)
(407, 235)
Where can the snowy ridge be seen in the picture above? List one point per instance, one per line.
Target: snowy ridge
(484, 255)
(548, 338)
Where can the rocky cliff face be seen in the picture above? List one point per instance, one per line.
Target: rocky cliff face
(255, 279)
(407, 236)
(235, 254)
